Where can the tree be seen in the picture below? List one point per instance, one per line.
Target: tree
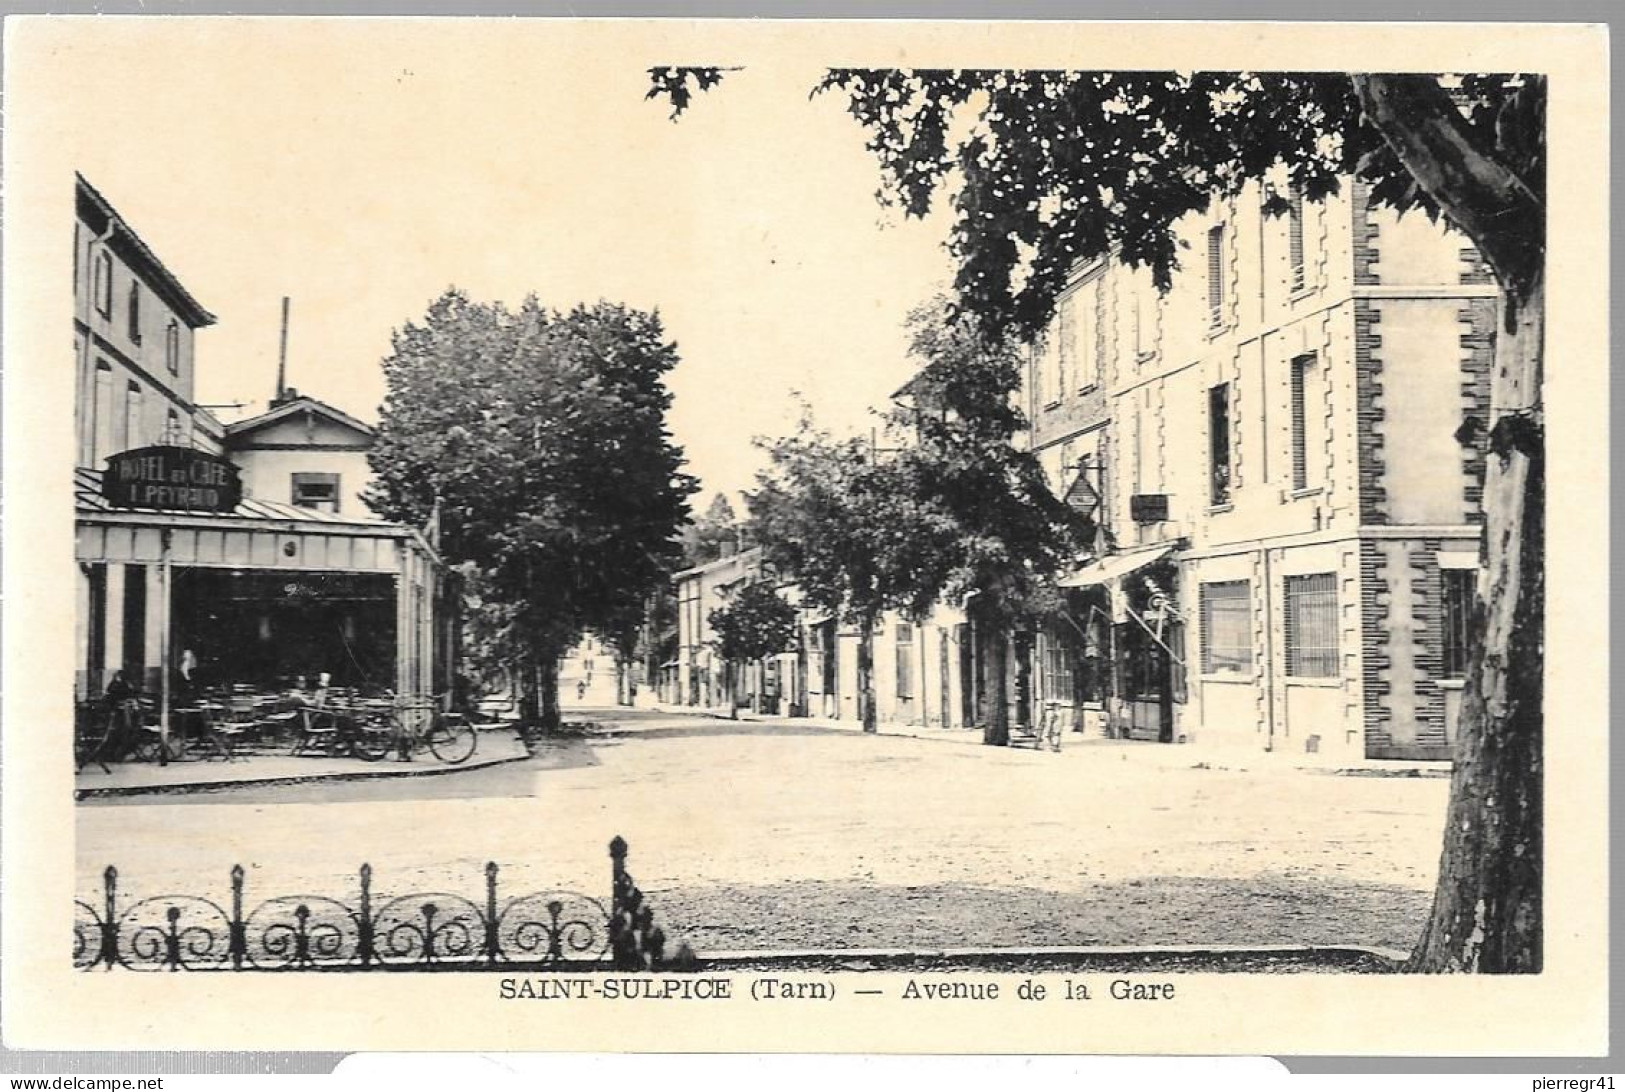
(711, 535)
(1010, 533)
(755, 624)
(540, 439)
(1062, 166)
(852, 528)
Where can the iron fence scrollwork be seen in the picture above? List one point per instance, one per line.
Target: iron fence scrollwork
(421, 931)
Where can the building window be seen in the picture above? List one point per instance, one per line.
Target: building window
(1311, 626)
(905, 660)
(104, 284)
(1215, 275)
(1146, 302)
(103, 425)
(1038, 366)
(1088, 335)
(1227, 628)
(1060, 683)
(172, 348)
(1300, 420)
(1294, 238)
(134, 434)
(1066, 337)
(1218, 426)
(319, 491)
(1457, 606)
(135, 312)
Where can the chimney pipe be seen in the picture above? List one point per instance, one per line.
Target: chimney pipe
(282, 355)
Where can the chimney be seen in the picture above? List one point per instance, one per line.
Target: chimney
(282, 359)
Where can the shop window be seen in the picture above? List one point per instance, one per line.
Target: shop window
(1455, 613)
(134, 312)
(1311, 626)
(318, 491)
(1218, 426)
(905, 660)
(104, 284)
(1227, 628)
(1060, 653)
(1300, 420)
(172, 347)
(1294, 238)
(1215, 275)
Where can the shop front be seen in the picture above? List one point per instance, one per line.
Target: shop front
(1124, 611)
(260, 594)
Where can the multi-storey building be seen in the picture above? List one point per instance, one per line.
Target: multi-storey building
(175, 556)
(1288, 523)
(134, 329)
(702, 677)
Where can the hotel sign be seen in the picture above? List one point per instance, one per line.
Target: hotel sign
(171, 479)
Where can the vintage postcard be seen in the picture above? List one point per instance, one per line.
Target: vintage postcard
(805, 536)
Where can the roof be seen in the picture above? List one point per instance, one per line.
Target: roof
(87, 497)
(140, 255)
(302, 403)
(744, 557)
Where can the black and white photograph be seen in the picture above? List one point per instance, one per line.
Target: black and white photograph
(868, 536)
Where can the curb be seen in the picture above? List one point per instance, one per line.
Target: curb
(1080, 951)
(198, 787)
(971, 736)
(1157, 958)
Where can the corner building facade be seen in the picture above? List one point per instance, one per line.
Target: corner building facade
(1288, 523)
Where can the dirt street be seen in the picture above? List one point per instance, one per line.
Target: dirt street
(779, 836)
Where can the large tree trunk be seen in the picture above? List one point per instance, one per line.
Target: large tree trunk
(1486, 912)
(523, 676)
(866, 674)
(547, 685)
(996, 638)
(1487, 905)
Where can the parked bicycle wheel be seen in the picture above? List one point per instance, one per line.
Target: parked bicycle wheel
(452, 743)
(372, 739)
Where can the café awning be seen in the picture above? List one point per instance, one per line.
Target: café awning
(1114, 568)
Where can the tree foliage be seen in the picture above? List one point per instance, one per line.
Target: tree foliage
(1047, 168)
(1057, 166)
(539, 438)
(850, 525)
(1010, 533)
(712, 533)
(755, 624)
(848, 522)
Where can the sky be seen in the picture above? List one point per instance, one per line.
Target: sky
(363, 171)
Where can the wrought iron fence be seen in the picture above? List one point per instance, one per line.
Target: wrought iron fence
(417, 932)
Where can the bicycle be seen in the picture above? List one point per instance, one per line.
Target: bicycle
(362, 730)
(426, 726)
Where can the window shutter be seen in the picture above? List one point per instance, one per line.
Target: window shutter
(1295, 238)
(1215, 274)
